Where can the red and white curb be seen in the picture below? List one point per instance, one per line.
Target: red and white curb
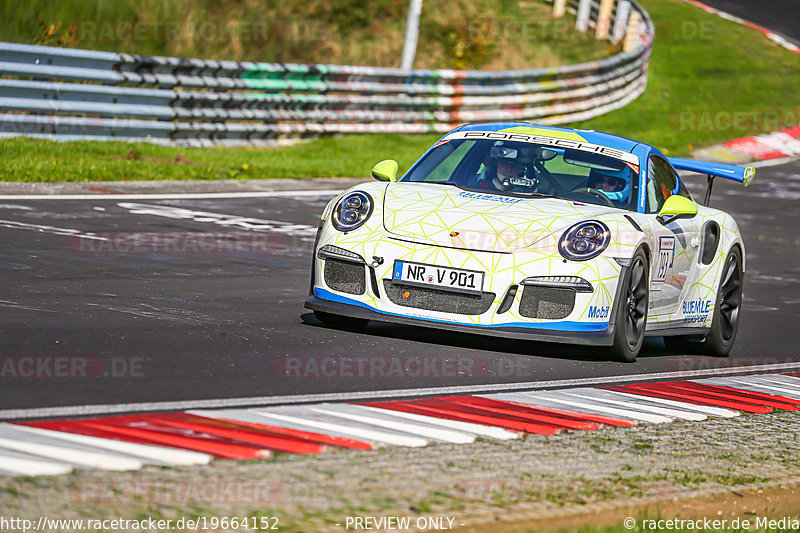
(195, 437)
(770, 146)
(771, 35)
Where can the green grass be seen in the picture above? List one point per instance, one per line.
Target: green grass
(725, 68)
(702, 68)
(48, 161)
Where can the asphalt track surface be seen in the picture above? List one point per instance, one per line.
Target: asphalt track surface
(91, 321)
(780, 16)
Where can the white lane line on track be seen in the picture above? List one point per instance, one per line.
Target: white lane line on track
(172, 196)
(12, 224)
(221, 219)
(254, 401)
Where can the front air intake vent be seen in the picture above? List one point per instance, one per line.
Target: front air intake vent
(437, 300)
(548, 303)
(345, 276)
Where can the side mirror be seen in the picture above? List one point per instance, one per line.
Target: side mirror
(676, 207)
(386, 170)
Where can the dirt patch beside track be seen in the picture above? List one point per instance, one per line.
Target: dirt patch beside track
(770, 502)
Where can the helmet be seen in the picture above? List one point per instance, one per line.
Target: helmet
(503, 158)
(613, 184)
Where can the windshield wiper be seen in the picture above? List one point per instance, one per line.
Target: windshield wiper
(525, 194)
(536, 194)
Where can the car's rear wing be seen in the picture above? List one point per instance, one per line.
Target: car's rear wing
(743, 175)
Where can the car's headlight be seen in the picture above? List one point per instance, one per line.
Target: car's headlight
(584, 240)
(352, 210)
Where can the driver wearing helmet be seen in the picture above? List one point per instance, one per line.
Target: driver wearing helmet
(505, 168)
(613, 184)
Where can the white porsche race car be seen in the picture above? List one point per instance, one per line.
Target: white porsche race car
(540, 233)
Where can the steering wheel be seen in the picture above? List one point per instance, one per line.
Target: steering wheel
(560, 189)
(603, 197)
(594, 192)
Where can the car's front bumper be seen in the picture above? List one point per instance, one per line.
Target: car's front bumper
(563, 332)
(590, 320)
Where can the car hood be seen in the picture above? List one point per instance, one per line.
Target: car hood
(448, 216)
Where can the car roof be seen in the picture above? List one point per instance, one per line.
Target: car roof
(590, 136)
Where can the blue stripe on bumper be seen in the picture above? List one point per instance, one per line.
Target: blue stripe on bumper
(322, 294)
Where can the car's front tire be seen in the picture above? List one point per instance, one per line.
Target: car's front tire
(339, 321)
(631, 311)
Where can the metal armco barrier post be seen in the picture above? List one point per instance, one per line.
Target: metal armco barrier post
(621, 21)
(603, 19)
(633, 36)
(60, 93)
(584, 11)
(559, 8)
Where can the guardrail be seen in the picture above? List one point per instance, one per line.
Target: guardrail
(71, 94)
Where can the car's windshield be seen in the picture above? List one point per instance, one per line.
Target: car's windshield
(527, 169)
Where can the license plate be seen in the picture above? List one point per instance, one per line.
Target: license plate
(439, 277)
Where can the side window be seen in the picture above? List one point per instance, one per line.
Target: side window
(682, 190)
(662, 182)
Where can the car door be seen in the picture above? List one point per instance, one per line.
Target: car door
(675, 246)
